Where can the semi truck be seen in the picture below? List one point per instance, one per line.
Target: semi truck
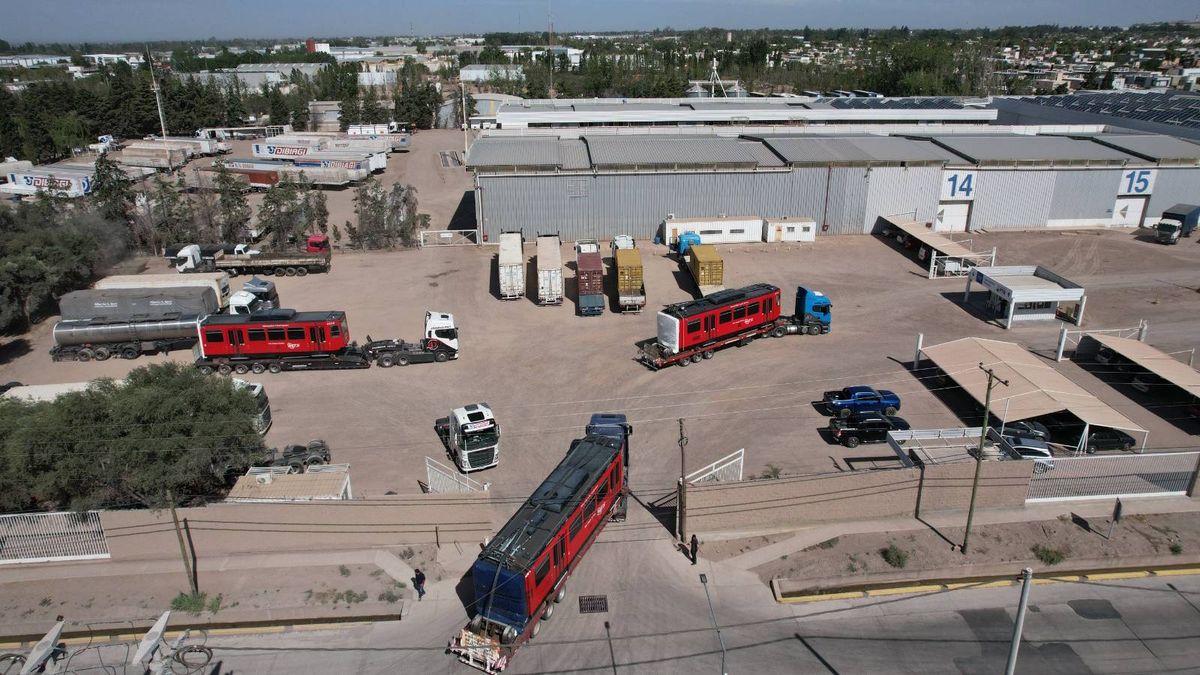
(218, 281)
(471, 436)
(511, 265)
(706, 268)
(549, 270)
(192, 259)
(589, 275)
(439, 344)
(689, 332)
(1178, 221)
(631, 286)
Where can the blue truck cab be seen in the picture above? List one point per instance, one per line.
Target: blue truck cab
(859, 399)
(813, 311)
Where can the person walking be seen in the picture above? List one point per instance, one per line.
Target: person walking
(695, 547)
(419, 584)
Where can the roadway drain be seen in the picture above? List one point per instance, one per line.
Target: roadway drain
(593, 604)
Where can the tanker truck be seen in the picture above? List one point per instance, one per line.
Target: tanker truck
(126, 323)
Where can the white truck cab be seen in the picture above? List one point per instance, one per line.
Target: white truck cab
(247, 303)
(472, 437)
(440, 326)
(192, 256)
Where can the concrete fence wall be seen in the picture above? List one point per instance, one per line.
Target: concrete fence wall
(223, 529)
(804, 500)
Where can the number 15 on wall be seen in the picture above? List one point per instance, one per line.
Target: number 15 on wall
(1137, 182)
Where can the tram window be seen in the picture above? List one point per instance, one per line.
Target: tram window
(752, 308)
(693, 326)
(539, 575)
(576, 523)
(725, 317)
(275, 334)
(295, 333)
(214, 336)
(257, 335)
(739, 312)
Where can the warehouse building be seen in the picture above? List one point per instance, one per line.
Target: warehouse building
(586, 185)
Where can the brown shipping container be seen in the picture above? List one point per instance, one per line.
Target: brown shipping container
(629, 269)
(706, 265)
(590, 269)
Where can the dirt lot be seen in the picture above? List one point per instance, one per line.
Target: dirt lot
(860, 554)
(544, 370)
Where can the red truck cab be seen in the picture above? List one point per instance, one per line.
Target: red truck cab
(317, 243)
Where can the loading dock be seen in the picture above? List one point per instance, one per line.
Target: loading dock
(1027, 293)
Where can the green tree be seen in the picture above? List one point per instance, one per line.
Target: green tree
(111, 190)
(371, 111)
(232, 208)
(350, 112)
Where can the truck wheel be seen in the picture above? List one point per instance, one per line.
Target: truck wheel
(205, 370)
(301, 271)
(84, 354)
(851, 441)
(441, 357)
(316, 461)
(290, 271)
(844, 413)
(402, 360)
(275, 368)
(258, 368)
(561, 594)
(296, 468)
(241, 369)
(224, 369)
(279, 272)
(708, 354)
(102, 353)
(697, 357)
(129, 353)
(537, 628)
(386, 361)
(890, 410)
(548, 613)
(814, 330)
(685, 362)
(779, 331)
(232, 272)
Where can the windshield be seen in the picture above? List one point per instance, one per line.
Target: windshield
(480, 439)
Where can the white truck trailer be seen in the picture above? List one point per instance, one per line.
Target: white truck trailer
(218, 281)
(511, 267)
(549, 269)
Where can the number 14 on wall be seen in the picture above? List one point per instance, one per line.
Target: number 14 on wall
(958, 185)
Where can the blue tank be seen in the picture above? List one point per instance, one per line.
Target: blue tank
(687, 240)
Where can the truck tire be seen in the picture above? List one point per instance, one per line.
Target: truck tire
(697, 357)
(851, 441)
(205, 370)
(844, 413)
(441, 357)
(258, 368)
(890, 410)
(224, 369)
(549, 612)
(685, 362)
(102, 353)
(813, 330)
(301, 271)
(708, 354)
(561, 594)
(316, 461)
(241, 369)
(290, 271)
(386, 361)
(779, 331)
(402, 360)
(537, 628)
(84, 354)
(232, 272)
(279, 272)
(274, 367)
(129, 353)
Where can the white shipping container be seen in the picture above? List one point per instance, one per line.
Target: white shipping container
(218, 281)
(721, 230)
(789, 229)
(549, 270)
(512, 266)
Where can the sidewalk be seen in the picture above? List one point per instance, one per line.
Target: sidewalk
(951, 519)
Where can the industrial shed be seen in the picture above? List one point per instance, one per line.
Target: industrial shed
(1027, 293)
(1035, 389)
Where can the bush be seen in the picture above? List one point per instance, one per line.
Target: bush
(1176, 548)
(1048, 556)
(190, 603)
(894, 555)
(772, 472)
(389, 596)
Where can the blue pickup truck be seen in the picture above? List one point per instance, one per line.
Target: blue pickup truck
(844, 402)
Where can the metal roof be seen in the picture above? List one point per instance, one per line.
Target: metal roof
(1027, 283)
(1154, 360)
(824, 149)
(1153, 147)
(1022, 148)
(1173, 107)
(1034, 387)
(608, 151)
(938, 242)
(528, 152)
(300, 487)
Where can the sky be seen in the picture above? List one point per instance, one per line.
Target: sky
(135, 20)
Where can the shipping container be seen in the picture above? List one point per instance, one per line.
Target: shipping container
(511, 265)
(549, 270)
(631, 287)
(589, 275)
(217, 281)
(707, 268)
(126, 304)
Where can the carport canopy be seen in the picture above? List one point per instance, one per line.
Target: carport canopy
(1154, 360)
(1034, 388)
(933, 240)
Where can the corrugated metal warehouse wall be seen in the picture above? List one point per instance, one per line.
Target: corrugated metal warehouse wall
(1012, 199)
(847, 201)
(1082, 194)
(902, 190)
(1171, 187)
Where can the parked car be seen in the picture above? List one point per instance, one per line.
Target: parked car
(860, 399)
(865, 427)
(1035, 449)
(1026, 429)
(1116, 362)
(1102, 438)
(1151, 384)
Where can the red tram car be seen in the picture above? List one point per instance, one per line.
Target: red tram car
(280, 339)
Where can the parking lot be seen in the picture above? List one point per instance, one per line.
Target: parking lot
(545, 370)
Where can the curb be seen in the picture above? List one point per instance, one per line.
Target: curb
(857, 591)
(260, 627)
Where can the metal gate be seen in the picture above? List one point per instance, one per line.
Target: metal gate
(448, 238)
(441, 478)
(727, 468)
(46, 537)
(1153, 475)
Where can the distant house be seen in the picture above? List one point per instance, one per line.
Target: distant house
(482, 72)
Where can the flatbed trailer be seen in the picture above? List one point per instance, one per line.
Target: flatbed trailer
(651, 354)
(349, 358)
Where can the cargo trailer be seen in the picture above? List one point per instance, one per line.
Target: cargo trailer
(127, 304)
(218, 281)
(153, 156)
(85, 340)
(511, 265)
(706, 267)
(549, 270)
(589, 275)
(300, 152)
(63, 181)
(631, 287)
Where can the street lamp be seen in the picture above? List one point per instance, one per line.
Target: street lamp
(713, 614)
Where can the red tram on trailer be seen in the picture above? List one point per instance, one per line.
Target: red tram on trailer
(522, 572)
(275, 340)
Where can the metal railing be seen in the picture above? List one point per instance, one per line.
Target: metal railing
(443, 479)
(46, 537)
(728, 468)
(447, 238)
(1159, 474)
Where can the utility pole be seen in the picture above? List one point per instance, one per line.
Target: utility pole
(683, 441)
(162, 120)
(1019, 626)
(550, 43)
(183, 552)
(987, 411)
(466, 124)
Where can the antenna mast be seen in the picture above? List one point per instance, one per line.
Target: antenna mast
(162, 119)
(550, 46)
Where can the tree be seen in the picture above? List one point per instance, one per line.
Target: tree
(385, 218)
(98, 449)
(277, 107)
(371, 111)
(350, 112)
(463, 102)
(111, 190)
(233, 209)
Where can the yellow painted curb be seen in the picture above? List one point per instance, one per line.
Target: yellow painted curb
(1106, 576)
(848, 595)
(904, 589)
(1176, 572)
(11, 645)
(252, 630)
(333, 625)
(1055, 580)
(978, 584)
